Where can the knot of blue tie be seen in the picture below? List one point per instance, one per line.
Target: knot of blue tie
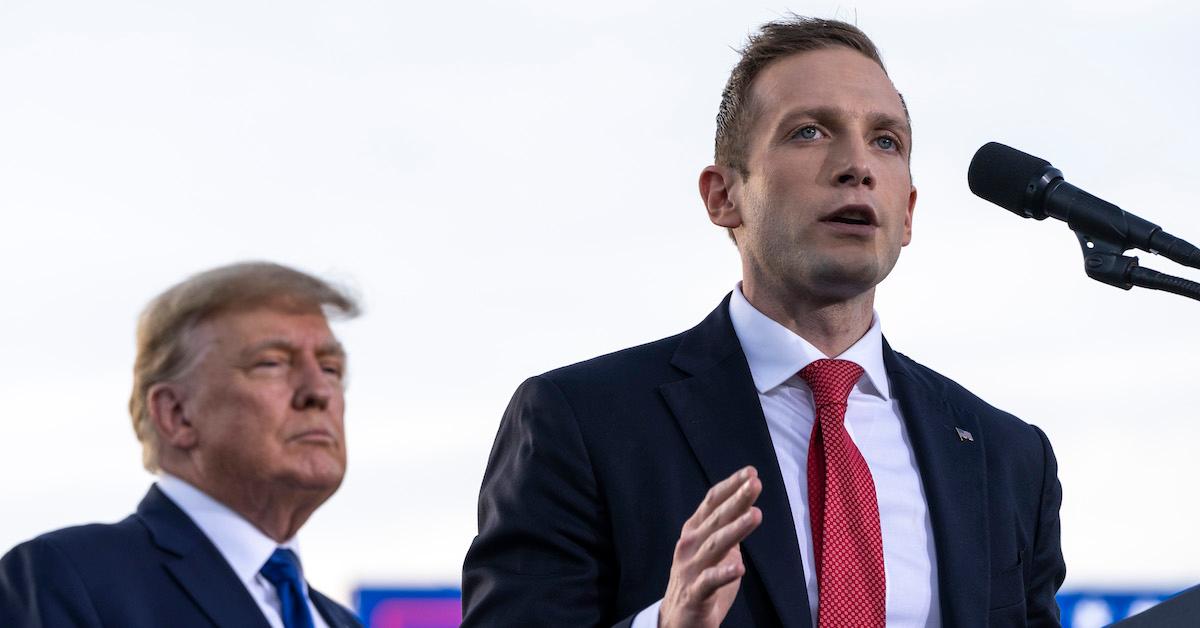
(283, 571)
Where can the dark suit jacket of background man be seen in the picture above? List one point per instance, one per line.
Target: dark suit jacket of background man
(597, 466)
(154, 569)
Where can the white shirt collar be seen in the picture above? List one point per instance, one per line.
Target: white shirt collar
(244, 547)
(776, 354)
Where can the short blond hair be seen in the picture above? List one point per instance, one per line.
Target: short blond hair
(163, 355)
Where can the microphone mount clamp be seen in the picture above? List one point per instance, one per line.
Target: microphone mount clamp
(1107, 263)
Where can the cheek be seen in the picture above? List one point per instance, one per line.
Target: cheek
(260, 412)
(898, 179)
(337, 409)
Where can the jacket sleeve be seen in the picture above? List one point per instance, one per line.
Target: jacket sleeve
(543, 555)
(1047, 569)
(40, 588)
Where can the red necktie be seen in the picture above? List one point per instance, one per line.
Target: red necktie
(842, 507)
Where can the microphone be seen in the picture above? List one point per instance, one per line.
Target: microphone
(1030, 187)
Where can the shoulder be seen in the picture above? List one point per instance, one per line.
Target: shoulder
(648, 363)
(607, 386)
(999, 424)
(57, 578)
(79, 547)
(607, 395)
(628, 374)
(90, 538)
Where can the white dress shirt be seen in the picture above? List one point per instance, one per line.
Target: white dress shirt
(874, 423)
(243, 546)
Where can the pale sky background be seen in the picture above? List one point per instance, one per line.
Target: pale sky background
(511, 186)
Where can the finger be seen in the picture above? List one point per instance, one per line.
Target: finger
(733, 507)
(696, 531)
(714, 578)
(717, 546)
(718, 494)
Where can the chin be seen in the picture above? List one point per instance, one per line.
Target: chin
(318, 475)
(842, 281)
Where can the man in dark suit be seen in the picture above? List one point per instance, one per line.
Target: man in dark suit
(238, 403)
(737, 475)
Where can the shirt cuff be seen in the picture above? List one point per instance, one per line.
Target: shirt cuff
(647, 618)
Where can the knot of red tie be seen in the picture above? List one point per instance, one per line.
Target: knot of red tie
(831, 380)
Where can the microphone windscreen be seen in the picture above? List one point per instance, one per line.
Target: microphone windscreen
(1002, 174)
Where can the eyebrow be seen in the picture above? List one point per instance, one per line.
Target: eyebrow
(331, 348)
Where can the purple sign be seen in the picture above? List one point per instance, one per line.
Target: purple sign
(410, 608)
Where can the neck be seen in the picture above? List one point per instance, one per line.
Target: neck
(830, 325)
(278, 513)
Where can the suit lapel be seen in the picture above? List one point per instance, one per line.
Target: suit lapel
(717, 409)
(954, 477)
(333, 614)
(197, 566)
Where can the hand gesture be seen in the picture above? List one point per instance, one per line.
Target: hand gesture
(707, 568)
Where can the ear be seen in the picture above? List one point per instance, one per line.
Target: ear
(908, 217)
(719, 188)
(165, 403)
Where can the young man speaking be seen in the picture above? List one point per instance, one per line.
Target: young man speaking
(778, 464)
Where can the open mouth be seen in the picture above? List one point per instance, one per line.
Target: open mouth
(853, 215)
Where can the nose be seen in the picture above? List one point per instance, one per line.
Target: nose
(314, 387)
(851, 165)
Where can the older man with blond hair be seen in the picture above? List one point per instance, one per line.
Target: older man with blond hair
(238, 403)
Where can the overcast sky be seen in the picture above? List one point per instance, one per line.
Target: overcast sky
(511, 186)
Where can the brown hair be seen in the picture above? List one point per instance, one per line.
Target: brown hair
(773, 41)
(162, 351)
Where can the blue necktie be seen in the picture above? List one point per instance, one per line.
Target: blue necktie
(283, 571)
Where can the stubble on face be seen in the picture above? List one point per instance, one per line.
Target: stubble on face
(848, 105)
(818, 274)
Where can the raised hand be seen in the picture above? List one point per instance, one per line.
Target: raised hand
(707, 568)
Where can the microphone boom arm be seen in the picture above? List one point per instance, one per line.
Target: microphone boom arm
(1106, 262)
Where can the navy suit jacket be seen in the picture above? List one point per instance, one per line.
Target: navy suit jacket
(597, 466)
(153, 569)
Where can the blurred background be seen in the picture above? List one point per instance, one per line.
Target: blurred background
(511, 186)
